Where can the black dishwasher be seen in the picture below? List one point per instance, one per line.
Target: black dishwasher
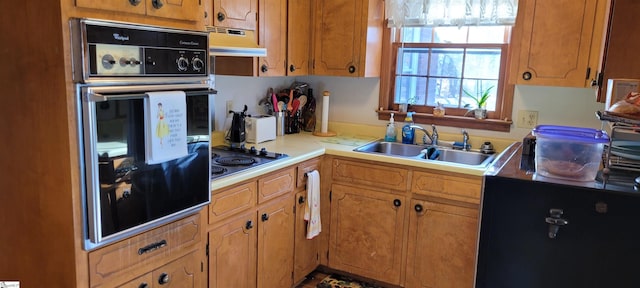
(540, 234)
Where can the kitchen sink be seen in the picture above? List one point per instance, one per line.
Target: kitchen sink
(391, 149)
(462, 157)
(443, 154)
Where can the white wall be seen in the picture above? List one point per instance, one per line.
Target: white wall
(354, 100)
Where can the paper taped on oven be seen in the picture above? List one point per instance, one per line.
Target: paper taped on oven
(166, 126)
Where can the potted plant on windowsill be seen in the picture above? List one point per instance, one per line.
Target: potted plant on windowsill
(480, 111)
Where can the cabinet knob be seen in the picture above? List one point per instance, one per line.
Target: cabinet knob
(292, 68)
(221, 16)
(249, 225)
(163, 279)
(264, 68)
(143, 285)
(157, 4)
(526, 75)
(352, 69)
(301, 200)
(418, 208)
(135, 2)
(397, 202)
(265, 217)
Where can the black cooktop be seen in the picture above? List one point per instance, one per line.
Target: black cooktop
(226, 161)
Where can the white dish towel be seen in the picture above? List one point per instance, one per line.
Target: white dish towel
(312, 211)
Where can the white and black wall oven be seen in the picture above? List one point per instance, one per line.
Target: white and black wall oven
(130, 183)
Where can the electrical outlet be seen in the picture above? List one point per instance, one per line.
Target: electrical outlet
(229, 105)
(527, 119)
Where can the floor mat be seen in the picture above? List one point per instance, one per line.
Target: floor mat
(339, 281)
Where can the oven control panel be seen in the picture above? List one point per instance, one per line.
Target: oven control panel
(120, 50)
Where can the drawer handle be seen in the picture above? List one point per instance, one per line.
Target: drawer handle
(135, 2)
(163, 279)
(143, 285)
(152, 246)
(397, 202)
(265, 217)
(301, 200)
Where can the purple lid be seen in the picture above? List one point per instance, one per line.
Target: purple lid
(570, 133)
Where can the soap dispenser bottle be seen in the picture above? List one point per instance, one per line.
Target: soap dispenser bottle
(390, 136)
(407, 131)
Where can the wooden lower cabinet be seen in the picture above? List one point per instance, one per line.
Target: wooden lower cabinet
(366, 232)
(170, 250)
(441, 245)
(275, 244)
(306, 257)
(251, 231)
(233, 252)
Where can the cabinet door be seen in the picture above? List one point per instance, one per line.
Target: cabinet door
(441, 245)
(306, 258)
(338, 35)
(239, 14)
(130, 6)
(182, 273)
(275, 244)
(272, 35)
(366, 232)
(621, 61)
(232, 253)
(299, 37)
(175, 9)
(555, 43)
(145, 280)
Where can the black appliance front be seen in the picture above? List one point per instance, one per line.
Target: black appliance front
(538, 234)
(130, 194)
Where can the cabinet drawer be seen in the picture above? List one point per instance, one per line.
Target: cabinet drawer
(140, 254)
(276, 184)
(232, 201)
(377, 176)
(455, 187)
(305, 167)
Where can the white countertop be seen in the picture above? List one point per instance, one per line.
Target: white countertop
(304, 146)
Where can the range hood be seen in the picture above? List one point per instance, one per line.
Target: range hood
(234, 42)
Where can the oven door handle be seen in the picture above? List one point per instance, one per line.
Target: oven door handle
(101, 94)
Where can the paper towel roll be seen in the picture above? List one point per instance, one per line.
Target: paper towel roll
(325, 111)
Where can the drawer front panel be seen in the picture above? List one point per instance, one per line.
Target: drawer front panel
(460, 188)
(377, 176)
(139, 254)
(276, 184)
(232, 201)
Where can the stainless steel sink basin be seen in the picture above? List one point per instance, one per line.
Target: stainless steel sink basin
(445, 154)
(391, 149)
(463, 157)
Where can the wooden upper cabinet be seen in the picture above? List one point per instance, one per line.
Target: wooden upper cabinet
(348, 37)
(272, 34)
(299, 37)
(239, 14)
(175, 9)
(285, 31)
(620, 59)
(553, 42)
(190, 10)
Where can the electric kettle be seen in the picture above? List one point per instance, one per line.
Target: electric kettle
(237, 133)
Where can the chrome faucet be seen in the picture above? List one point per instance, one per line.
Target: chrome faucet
(465, 140)
(433, 138)
(434, 135)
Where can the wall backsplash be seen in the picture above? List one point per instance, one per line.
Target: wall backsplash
(354, 100)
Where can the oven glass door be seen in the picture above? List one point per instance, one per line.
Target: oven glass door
(125, 194)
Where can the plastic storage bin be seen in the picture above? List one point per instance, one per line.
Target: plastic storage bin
(570, 153)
